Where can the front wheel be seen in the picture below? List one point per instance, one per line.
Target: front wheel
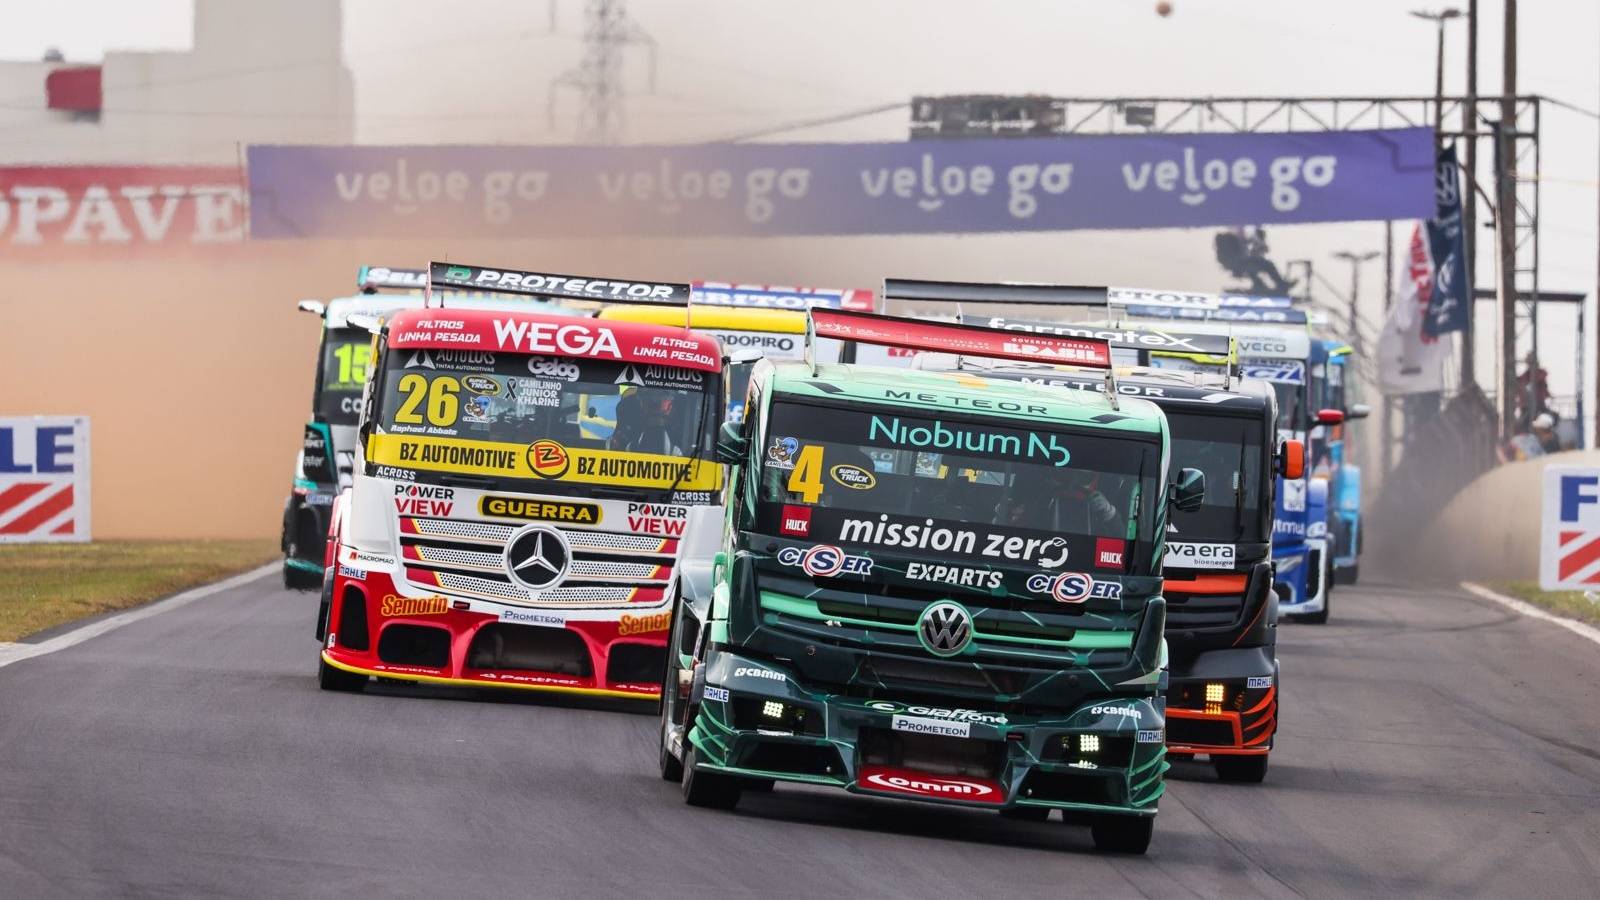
(330, 678)
(710, 790)
(298, 579)
(1123, 834)
(1240, 769)
(671, 766)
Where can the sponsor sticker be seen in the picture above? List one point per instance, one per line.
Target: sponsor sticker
(392, 605)
(533, 617)
(548, 459)
(941, 727)
(553, 368)
(923, 784)
(1108, 553)
(370, 560)
(825, 561)
(642, 375)
(1027, 445)
(907, 533)
(938, 712)
(712, 692)
(754, 672)
(853, 477)
(481, 384)
(631, 625)
(657, 519)
(796, 521)
(423, 500)
(539, 510)
(1149, 736)
(958, 576)
(1258, 681)
(351, 572)
(1073, 587)
(782, 453)
(1191, 555)
(1125, 711)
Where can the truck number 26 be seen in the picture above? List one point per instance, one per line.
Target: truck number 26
(442, 397)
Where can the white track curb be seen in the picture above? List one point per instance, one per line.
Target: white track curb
(1587, 632)
(12, 653)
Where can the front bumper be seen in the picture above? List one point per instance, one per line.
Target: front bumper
(1245, 718)
(757, 721)
(375, 629)
(1302, 582)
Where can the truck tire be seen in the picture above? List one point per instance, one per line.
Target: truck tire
(332, 679)
(1349, 574)
(709, 790)
(1240, 769)
(297, 579)
(1123, 834)
(671, 766)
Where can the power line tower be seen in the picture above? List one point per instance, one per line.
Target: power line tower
(598, 78)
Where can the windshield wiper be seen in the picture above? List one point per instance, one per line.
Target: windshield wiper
(1238, 489)
(455, 479)
(694, 455)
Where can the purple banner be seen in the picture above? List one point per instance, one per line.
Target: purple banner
(958, 186)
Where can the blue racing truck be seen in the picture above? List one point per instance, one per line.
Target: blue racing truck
(1316, 529)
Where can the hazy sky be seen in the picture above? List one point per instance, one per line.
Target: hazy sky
(727, 66)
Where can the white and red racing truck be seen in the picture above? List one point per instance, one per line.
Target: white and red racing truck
(522, 485)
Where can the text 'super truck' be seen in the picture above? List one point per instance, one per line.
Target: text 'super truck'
(326, 460)
(934, 587)
(492, 537)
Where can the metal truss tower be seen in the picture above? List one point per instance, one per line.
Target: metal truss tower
(598, 77)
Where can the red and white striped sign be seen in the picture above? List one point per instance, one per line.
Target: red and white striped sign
(1569, 557)
(44, 479)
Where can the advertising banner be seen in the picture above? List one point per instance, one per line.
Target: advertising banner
(1569, 544)
(44, 479)
(920, 187)
(111, 206)
(1447, 304)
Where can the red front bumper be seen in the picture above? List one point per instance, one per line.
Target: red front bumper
(1227, 733)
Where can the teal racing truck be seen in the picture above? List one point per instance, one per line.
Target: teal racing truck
(931, 586)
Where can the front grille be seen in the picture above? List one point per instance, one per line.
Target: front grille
(1185, 610)
(466, 558)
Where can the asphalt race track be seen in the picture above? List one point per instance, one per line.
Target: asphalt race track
(1432, 743)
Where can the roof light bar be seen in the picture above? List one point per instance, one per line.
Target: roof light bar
(556, 287)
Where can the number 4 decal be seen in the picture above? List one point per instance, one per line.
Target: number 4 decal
(806, 477)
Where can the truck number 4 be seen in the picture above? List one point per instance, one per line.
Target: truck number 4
(806, 477)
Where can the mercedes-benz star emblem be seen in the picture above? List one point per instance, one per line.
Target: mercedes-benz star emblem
(945, 628)
(537, 557)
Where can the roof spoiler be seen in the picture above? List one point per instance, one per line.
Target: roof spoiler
(455, 276)
(1002, 292)
(371, 279)
(962, 340)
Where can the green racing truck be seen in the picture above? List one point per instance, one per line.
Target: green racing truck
(931, 586)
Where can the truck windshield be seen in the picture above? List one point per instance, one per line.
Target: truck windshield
(346, 355)
(985, 490)
(555, 418)
(1229, 450)
(1288, 379)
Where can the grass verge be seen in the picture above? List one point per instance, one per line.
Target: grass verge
(44, 585)
(1572, 604)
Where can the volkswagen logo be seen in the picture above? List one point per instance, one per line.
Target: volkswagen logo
(537, 557)
(945, 628)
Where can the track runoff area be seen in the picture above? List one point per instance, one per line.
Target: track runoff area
(807, 650)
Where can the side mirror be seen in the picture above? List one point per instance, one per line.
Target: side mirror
(731, 445)
(314, 307)
(1358, 411)
(1292, 459)
(1330, 417)
(1190, 490)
